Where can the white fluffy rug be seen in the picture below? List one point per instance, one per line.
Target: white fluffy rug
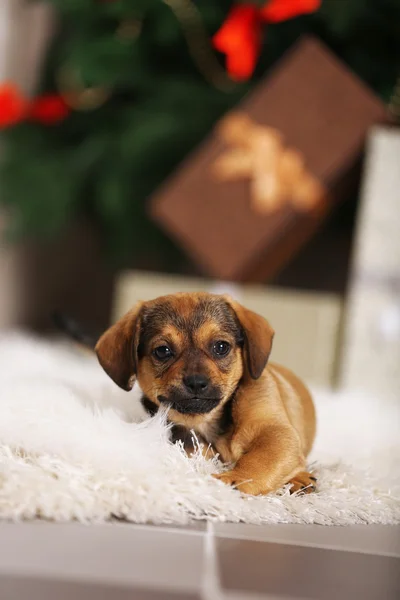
(73, 446)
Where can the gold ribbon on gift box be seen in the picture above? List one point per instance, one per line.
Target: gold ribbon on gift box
(277, 174)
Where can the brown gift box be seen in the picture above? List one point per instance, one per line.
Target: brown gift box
(322, 112)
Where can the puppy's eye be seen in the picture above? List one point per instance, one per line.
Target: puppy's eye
(221, 348)
(162, 352)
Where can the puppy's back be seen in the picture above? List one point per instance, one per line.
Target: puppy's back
(298, 403)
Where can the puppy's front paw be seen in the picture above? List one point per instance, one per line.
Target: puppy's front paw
(229, 477)
(243, 484)
(303, 482)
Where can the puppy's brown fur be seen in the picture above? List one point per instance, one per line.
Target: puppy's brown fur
(205, 356)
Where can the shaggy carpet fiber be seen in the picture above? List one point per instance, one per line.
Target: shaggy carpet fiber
(74, 446)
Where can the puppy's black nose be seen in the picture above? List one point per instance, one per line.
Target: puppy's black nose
(196, 384)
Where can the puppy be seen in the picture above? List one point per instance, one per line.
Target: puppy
(206, 358)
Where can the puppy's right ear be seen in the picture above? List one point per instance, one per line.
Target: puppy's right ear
(117, 349)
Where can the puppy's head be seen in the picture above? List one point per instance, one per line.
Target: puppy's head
(189, 351)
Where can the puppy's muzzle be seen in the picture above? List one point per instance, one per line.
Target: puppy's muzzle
(190, 406)
(195, 396)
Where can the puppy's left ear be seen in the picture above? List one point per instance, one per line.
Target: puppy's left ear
(117, 349)
(258, 335)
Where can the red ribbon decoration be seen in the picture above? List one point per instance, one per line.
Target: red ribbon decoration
(15, 108)
(277, 11)
(49, 109)
(239, 37)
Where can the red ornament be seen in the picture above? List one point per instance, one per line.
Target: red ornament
(276, 11)
(49, 109)
(13, 106)
(239, 37)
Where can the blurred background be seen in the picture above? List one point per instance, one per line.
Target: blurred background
(108, 116)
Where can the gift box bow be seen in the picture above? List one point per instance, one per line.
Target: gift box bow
(277, 174)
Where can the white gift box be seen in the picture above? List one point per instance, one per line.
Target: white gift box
(371, 350)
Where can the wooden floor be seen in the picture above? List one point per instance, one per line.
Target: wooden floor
(43, 561)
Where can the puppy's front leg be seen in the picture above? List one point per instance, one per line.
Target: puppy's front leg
(272, 459)
(190, 444)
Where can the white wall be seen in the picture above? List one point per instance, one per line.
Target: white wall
(25, 29)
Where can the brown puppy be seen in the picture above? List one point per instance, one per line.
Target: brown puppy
(205, 356)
